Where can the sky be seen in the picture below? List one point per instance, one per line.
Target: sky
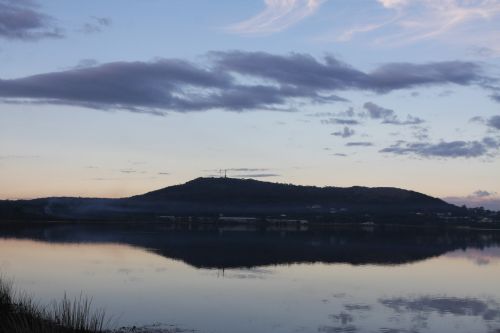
(120, 97)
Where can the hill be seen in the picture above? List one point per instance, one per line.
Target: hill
(250, 191)
(212, 197)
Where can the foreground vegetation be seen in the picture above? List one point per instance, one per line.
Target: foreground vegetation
(20, 314)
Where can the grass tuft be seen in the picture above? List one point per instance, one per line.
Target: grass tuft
(20, 314)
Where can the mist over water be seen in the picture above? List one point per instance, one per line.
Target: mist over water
(234, 280)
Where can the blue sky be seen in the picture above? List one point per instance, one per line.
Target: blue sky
(113, 98)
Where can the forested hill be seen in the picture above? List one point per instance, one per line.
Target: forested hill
(212, 197)
(240, 191)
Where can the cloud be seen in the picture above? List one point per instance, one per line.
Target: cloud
(451, 149)
(349, 34)
(393, 3)
(134, 86)
(345, 133)
(88, 62)
(238, 169)
(349, 113)
(373, 111)
(128, 171)
(494, 122)
(306, 72)
(388, 116)
(482, 51)
(21, 20)
(471, 22)
(446, 93)
(482, 194)
(410, 120)
(243, 172)
(232, 81)
(479, 198)
(359, 144)
(420, 133)
(278, 15)
(247, 169)
(377, 112)
(339, 121)
(256, 175)
(477, 119)
(96, 24)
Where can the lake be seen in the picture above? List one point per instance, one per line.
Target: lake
(245, 279)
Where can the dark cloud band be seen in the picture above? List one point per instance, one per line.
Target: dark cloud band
(19, 20)
(233, 81)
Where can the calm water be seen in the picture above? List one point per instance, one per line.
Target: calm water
(265, 281)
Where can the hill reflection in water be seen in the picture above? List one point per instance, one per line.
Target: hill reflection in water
(280, 281)
(237, 247)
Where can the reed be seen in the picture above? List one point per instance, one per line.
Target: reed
(19, 313)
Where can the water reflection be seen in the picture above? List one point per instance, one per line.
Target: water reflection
(265, 281)
(236, 248)
(422, 314)
(423, 309)
(488, 310)
(478, 256)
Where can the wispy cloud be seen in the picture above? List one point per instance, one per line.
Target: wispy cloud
(128, 171)
(492, 122)
(256, 175)
(371, 111)
(351, 32)
(487, 199)
(278, 15)
(417, 20)
(388, 116)
(482, 194)
(446, 149)
(345, 133)
(339, 121)
(423, 19)
(95, 25)
(359, 144)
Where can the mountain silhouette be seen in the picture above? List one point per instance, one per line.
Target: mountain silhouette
(213, 197)
(241, 191)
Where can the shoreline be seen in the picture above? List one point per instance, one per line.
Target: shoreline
(311, 226)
